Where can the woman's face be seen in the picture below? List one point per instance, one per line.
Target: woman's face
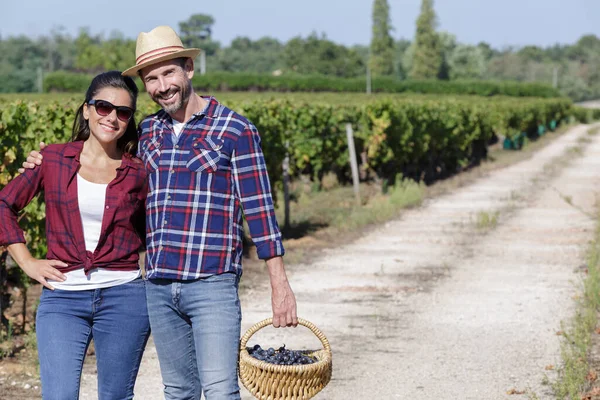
(110, 127)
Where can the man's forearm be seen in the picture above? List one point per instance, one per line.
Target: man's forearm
(276, 269)
(282, 296)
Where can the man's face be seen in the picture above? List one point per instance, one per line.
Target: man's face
(169, 84)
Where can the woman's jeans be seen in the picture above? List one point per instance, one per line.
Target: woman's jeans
(115, 317)
(196, 331)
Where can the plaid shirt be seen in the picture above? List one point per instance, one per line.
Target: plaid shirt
(198, 184)
(117, 247)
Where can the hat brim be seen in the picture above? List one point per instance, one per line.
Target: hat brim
(187, 53)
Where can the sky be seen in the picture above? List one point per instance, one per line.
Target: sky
(501, 23)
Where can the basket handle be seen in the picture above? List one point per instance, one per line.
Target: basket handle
(258, 326)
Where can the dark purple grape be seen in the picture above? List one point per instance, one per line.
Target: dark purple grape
(281, 356)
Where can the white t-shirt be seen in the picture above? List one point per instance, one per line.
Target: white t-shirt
(91, 197)
(177, 128)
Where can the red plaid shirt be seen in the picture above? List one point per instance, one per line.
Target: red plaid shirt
(123, 220)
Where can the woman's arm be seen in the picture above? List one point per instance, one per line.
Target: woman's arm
(13, 198)
(39, 270)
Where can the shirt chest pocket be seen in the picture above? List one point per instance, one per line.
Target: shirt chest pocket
(128, 205)
(151, 153)
(205, 155)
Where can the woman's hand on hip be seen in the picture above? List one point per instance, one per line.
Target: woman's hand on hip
(41, 270)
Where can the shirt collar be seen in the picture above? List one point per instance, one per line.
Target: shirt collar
(210, 110)
(73, 150)
(130, 161)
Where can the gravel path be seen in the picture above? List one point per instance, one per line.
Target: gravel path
(436, 305)
(590, 104)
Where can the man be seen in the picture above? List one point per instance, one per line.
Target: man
(205, 166)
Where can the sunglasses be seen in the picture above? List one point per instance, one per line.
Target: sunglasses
(103, 108)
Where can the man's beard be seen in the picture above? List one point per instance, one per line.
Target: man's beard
(184, 96)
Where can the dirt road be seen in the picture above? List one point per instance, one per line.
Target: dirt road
(458, 299)
(590, 104)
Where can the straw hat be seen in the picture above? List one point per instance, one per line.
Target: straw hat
(160, 44)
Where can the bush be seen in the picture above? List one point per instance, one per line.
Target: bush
(17, 81)
(62, 81)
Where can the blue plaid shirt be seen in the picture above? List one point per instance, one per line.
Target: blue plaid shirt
(198, 184)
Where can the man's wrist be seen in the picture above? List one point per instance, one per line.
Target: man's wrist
(276, 269)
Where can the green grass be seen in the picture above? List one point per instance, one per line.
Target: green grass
(486, 220)
(336, 207)
(577, 334)
(404, 194)
(6, 341)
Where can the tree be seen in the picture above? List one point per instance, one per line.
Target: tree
(486, 50)
(447, 44)
(466, 62)
(532, 53)
(197, 32)
(96, 54)
(21, 56)
(585, 48)
(89, 56)
(427, 57)
(381, 60)
(507, 66)
(197, 26)
(61, 52)
(118, 52)
(401, 48)
(406, 61)
(244, 55)
(317, 55)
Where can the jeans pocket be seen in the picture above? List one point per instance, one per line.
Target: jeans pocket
(137, 284)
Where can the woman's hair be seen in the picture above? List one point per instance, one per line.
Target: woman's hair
(113, 79)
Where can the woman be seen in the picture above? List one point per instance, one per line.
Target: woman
(95, 192)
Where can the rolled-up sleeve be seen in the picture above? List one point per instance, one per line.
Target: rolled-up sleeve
(13, 198)
(254, 191)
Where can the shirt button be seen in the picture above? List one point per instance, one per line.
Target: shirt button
(172, 171)
(176, 146)
(164, 222)
(160, 248)
(107, 207)
(169, 197)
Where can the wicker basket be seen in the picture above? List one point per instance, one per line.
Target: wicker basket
(278, 382)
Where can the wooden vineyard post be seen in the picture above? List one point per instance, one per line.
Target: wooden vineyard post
(286, 188)
(353, 163)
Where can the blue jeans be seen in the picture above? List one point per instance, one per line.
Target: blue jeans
(196, 330)
(115, 317)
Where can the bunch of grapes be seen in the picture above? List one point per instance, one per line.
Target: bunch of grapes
(281, 356)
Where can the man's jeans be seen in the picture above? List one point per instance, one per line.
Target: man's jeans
(196, 330)
(116, 318)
